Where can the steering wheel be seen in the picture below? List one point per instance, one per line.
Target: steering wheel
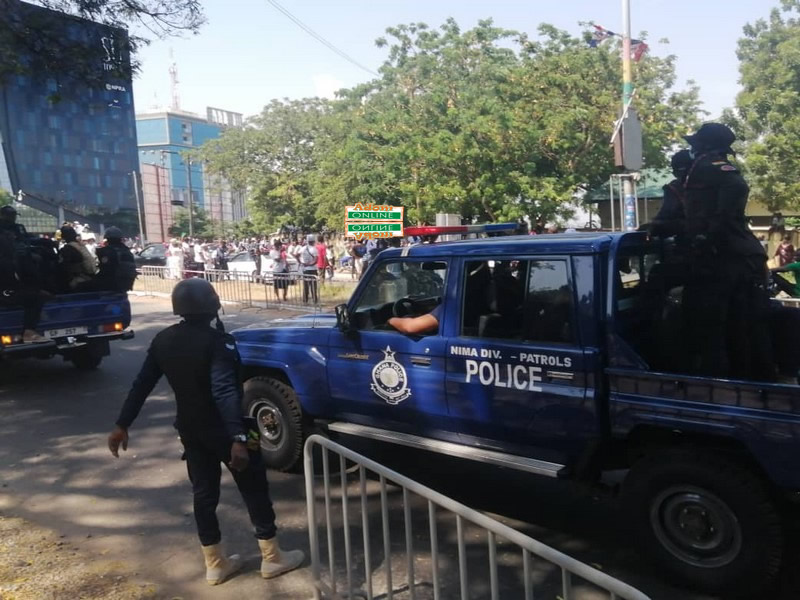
(403, 307)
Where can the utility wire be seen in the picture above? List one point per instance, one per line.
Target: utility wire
(275, 4)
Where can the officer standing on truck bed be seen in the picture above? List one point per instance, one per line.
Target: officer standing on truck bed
(725, 299)
(117, 266)
(201, 364)
(671, 219)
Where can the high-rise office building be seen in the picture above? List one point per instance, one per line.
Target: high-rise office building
(167, 178)
(69, 139)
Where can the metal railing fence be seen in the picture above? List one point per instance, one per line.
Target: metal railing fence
(497, 539)
(293, 291)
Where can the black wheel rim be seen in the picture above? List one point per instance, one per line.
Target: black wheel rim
(270, 421)
(696, 526)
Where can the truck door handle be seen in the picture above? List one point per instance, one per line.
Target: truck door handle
(560, 375)
(421, 361)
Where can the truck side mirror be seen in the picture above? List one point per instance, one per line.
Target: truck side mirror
(343, 317)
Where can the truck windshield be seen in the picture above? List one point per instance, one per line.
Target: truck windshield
(420, 282)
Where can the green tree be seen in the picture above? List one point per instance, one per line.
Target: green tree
(203, 225)
(485, 123)
(6, 197)
(768, 107)
(273, 157)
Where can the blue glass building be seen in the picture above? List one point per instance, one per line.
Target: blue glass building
(163, 137)
(67, 141)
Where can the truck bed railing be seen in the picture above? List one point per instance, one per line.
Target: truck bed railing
(746, 394)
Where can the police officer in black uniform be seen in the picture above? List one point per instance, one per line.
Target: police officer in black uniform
(670, 220)
(201, 364)
(725, 300)
(8, 223)
(117, 268)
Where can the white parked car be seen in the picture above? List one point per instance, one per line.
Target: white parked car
(242, 262)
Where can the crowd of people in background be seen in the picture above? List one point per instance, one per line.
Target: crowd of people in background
(316, 256)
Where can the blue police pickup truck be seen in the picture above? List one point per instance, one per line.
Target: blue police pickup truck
(78, 327)
(555, 355)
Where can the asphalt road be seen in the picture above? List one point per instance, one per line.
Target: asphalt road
(55, 470)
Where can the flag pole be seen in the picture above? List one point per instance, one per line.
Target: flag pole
(629, 218)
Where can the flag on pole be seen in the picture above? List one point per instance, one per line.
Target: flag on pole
(599, 35)
(638, 48)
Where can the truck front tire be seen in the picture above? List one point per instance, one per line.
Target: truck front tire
(706, 520)
(276, 409)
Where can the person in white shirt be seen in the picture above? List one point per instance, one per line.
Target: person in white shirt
(90, 243)
(308, 263)
(175, 258)
(280, 269)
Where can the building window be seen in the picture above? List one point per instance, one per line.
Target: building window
(48, 159)
(100, 197)
(52, 122)
(67, 178)
(96, 163)
(186, 132)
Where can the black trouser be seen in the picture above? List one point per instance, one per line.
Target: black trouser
(30, 301)
(726, 304)
(204, 455)
(310, 285)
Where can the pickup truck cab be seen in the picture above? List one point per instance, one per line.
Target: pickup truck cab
(79, 327)
(553, 356)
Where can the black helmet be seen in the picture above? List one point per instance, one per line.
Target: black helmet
(114, 233)
(712, 136)
(8, 210)
(195, 297)
(68, 234)
(681, 161)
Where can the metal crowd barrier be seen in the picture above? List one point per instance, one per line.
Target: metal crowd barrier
(293, 291)
(527, 557)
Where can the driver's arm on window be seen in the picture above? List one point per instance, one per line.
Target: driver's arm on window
(415, 325)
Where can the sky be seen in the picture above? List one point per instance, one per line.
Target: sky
(249, 53)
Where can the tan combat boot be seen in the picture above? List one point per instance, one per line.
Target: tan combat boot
(218, 566)
(276, 561)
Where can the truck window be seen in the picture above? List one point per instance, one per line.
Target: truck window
(419, 284)
(529, 301)
(649, 288)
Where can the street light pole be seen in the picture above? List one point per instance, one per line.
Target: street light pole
(629, 218)
(191, 204)
(138, 207)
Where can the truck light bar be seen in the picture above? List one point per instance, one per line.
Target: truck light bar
(441, 230)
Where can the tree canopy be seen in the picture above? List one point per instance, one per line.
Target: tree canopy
(768, 107)
(487, 123)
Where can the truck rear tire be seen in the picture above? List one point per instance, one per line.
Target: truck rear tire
(86, 361)
(276, 409)
(705, 520)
